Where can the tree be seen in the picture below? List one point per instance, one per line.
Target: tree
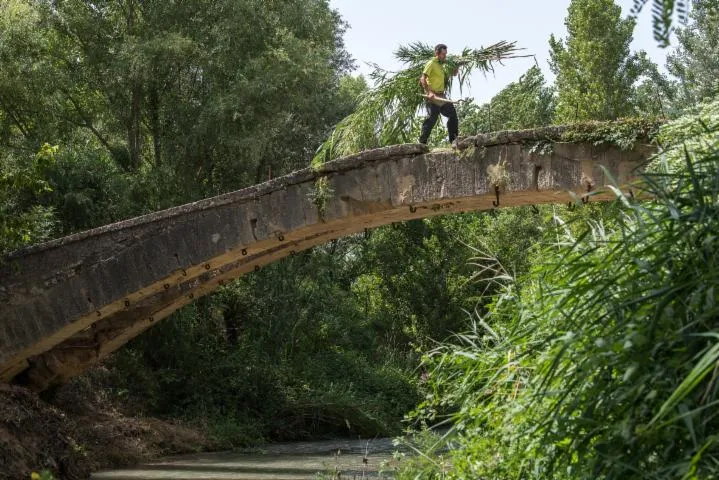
(526, 103)
(695, 62)
(153, 104)
(29, 77)
(220, 92)
(595, 70)
(654, 93)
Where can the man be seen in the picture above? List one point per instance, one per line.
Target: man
(434, 83)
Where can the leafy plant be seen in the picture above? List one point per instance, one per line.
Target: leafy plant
(623, 134)
(695, 61)
(387, 113)
(321, 195)
(23, 181)
(43, 475)
(603, 361)
(498, 174)
(663, 12)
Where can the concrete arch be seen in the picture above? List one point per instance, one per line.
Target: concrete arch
(68, 303)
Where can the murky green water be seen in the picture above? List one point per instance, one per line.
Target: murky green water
(351, 459)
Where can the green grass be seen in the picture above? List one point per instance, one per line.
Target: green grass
(603, 362)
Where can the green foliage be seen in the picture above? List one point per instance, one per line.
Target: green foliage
(655, 93)
(601, 363)
(692, 67)
(321, 194)
(695, 61)
(594, 68)
(43, 475)
(351, 90)
(663, 12)
(690, 131)
(157, 104)
(219, 92)
(424, 455)
(89, 189)
(387, 113)
(270, 358)
(23, 182)
(526, 103)
(623, 133)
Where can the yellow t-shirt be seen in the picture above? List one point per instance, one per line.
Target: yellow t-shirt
(435, 75)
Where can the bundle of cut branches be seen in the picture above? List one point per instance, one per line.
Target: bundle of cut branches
(387, 113)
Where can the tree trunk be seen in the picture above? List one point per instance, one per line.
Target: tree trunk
(154, 105)
(232, 317)
(134, 142)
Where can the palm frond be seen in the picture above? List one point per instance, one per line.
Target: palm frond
(662, 15)
(387, 113)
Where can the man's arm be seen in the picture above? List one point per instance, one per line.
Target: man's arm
(425, 85)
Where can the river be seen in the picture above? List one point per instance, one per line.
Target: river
(335, 459)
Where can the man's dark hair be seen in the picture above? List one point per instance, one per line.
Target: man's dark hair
(439, 48)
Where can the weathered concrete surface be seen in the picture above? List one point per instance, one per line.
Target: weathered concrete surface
(71, 302)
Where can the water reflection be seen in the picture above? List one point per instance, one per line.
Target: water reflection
(346, 459)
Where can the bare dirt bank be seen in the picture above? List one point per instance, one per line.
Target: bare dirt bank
(76, 430)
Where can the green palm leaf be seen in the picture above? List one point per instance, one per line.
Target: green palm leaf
(387, 113)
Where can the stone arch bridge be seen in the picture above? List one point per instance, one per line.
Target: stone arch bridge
(68, 303)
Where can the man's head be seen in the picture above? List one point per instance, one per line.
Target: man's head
(440, 51)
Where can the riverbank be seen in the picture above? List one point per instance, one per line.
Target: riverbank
(78, 430)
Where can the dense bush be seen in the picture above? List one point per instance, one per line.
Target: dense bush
(603, 361)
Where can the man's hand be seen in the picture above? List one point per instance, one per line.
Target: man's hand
(431, 95)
